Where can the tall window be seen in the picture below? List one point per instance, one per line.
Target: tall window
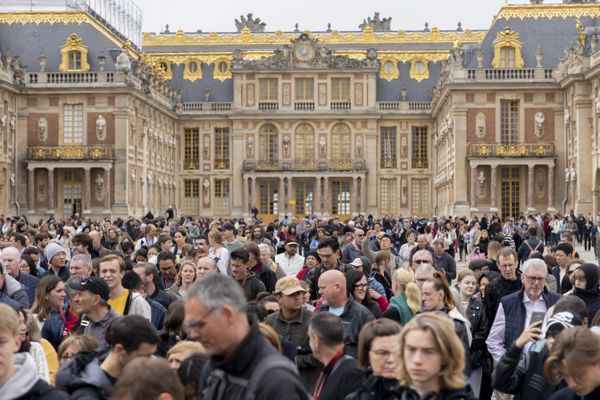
(221, 148)
(268, 143)
(420, 196)
(419, 147)
(341, 142)
(191, 148)
(388, 147)
(507, 57)
(304, 140)
(304, 197)
(74, 60)
(340, 197)
(388, 196)
(305, 89)
(268, 196)
(509, 121)
(73, 124)
(221, 205)
(267, 89)
(191, 196)
(340, 89)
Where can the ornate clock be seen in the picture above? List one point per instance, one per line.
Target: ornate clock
(304, 52)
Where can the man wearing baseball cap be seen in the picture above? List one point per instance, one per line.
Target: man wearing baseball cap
(290, 261)
(90, 299)
(291, 322)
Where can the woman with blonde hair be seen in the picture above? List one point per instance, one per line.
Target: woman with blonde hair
(406, 302)
(185, 278)
(217, 251)
(431, 360)
(492, 252)
(182, 350)
(575, 357)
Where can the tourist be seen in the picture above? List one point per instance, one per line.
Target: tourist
(76, 344)
(185, 278)
(406, 302)
(182, 350)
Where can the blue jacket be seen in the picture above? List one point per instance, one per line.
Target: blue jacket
(29, 283)
(158, 312)
(515, 313)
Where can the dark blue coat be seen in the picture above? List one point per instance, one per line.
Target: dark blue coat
(29, 282)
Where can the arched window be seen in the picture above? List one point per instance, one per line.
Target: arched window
(304, 140)
(268, 143)
(341, 145)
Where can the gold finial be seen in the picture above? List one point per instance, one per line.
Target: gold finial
(580, 33)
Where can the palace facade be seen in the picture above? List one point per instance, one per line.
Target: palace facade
(101, 120)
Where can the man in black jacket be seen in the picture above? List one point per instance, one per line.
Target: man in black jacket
(342, 374)
(241, 360)
(508, 282)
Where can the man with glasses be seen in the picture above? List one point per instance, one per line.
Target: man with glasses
(329, 251)
(508, 282)
(241, 360)
(515, 310)
(421, 257)
(353, 250)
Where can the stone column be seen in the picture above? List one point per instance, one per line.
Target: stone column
(245, 197)
(354, 197)
(363, 194)
(281, 197)
(253, 191)
(31, 189)
(326, 201)
(474, 188)
(107, 193)
(51, 194)
(551, 188)
(317, 208)
(87, 203)
(530, 184)
(494, 188)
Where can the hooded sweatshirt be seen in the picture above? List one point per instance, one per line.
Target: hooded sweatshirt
(25, 384)
(591, 294)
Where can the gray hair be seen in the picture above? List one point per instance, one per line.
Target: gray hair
(438, 242)
(215, 291)
(265, 246)
(424, 252)
(425, 268)
(149, 268)
(86, 260)
(73, 280)
(533, 263)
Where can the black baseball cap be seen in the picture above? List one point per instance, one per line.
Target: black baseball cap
(92, 284)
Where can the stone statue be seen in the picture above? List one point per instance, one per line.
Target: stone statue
(322, 145)
(479, 58)
(250, 145)
(286, 145)
(539, 123)
(480, 125)
(377, 24)
(13, 124)
(567, 116)
(539, 56)
(42, 129)
(206, 94)
(42, 60)
(598, 106)
(359, 146)
(253, 24)
(132, 175)
(101, 127)
(99, 181)
(206, 187)
(13, 179)
(481, 181)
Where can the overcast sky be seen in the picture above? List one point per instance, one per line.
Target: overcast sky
(219, 16)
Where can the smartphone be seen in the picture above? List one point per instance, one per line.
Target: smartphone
(537, 316)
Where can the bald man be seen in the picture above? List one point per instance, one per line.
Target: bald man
(332, 288)
(11, 259)
(205, 266)
(98, 251)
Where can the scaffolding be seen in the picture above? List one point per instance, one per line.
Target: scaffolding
(122, 17)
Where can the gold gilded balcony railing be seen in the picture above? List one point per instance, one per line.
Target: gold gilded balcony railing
(303, 165)
(511, 150)
(93, 152)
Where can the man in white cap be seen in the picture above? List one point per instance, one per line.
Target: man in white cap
(56, 256)
(290, 261)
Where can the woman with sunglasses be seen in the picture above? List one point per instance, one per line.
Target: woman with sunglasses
(378, 354)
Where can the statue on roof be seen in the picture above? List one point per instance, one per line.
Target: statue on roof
(377, 24)
(253, 24)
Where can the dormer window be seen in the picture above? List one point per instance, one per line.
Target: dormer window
(74, 55)
(507, 50)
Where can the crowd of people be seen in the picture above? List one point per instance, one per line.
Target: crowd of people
(305, 308)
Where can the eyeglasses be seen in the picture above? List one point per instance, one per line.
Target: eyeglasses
(384, 353)
(325, 255)
(361, 285)
(197, 325)
(506, 266)
(534, 279)
(421, 261)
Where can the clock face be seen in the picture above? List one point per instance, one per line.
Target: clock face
(304, 52)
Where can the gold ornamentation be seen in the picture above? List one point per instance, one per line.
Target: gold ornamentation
(73, 55)
(419, 69)
(97, 152)
(222, 69)
(192, 70)
(548, 11)
(245, 37)
(507, 38)
(580, 32)
(511, 150)
(65, 18)
(388, 69)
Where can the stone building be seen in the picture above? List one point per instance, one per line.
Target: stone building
(99, 119)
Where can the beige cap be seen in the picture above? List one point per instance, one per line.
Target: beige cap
(357, 262)
(288, 285)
